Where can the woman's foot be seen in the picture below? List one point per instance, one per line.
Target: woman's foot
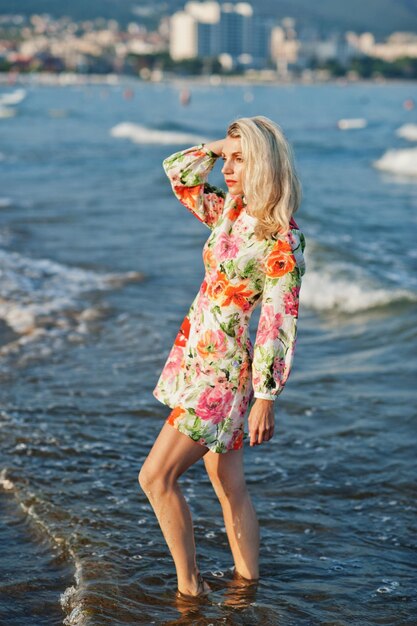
(202, 589)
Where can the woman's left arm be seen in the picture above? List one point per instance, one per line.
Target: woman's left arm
(276, 334)
(277, 329)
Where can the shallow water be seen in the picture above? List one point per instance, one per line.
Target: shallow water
(99, 264)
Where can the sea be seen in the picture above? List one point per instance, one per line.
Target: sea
(98, 266)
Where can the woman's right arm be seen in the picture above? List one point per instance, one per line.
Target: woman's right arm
(188, 171)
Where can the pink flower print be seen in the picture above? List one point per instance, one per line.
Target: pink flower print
(172, 367)
(202, 303)
(200, 371)
(243, 405)
(278, 368)
(291, 301)
(269, 325)
(227, 247)
(256, 379)
(214, 404)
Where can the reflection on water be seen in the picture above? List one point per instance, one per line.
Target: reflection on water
(232, 591)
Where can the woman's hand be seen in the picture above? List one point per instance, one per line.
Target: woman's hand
(261, 421)
(215, 146)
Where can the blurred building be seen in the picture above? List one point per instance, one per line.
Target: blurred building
(397, 45)
(284, 46)
(228, 31)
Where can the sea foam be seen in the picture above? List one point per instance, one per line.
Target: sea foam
(12, 98)
(401, 161)
(144, 135)
(36, 287)
(323, 292)
(407, 131)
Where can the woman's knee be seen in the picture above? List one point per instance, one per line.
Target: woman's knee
(154, 480)
(144, 478)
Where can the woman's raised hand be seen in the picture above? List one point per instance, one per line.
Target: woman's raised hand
(261, 421)
(215, 146)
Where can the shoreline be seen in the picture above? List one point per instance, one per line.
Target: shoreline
(73, 78)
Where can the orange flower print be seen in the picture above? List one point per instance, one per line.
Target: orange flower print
(238, 295)
(280, 260)
(217, 287)
(183, 333)
(174, 414)
(243, 375)
(188, 195)
(209, 260)
(212, 344)
(235, 209)
(233, 213)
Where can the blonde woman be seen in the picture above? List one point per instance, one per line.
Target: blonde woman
(254, 255)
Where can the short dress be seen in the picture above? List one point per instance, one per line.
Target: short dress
(213, 370)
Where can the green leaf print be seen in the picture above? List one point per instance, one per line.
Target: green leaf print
(284, 337)
(226, 373)
(258, 285)
(229, 328)
(262, 354)
(169, 161)
(212, 189)
(190, 180)
(269, 381)
(294, 278)
(229, 268)
(226, 426)
(249, 268)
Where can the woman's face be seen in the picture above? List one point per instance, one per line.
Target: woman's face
(233, 165)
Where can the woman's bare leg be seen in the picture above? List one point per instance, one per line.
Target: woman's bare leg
(227, 477)
(172, 454)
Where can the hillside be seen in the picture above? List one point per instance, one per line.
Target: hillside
(379, 16)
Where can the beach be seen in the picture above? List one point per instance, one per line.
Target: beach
(99, 264)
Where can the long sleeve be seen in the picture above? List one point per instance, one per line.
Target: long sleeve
(277, 328)
(187, 171)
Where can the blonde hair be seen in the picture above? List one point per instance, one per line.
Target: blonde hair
(271, 186)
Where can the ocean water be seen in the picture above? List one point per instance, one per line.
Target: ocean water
(98, 265)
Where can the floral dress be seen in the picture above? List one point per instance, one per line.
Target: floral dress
(213, 371)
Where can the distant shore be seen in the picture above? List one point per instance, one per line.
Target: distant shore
(73, 78)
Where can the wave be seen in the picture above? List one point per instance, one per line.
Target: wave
(36, 287)
(14, 97)
(350, 123)
(144, 135)
(407, 131)
(398, 161)
(70, 599)
(41, 298)
(323, 292)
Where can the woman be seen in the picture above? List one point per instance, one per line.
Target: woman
(253, 255)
